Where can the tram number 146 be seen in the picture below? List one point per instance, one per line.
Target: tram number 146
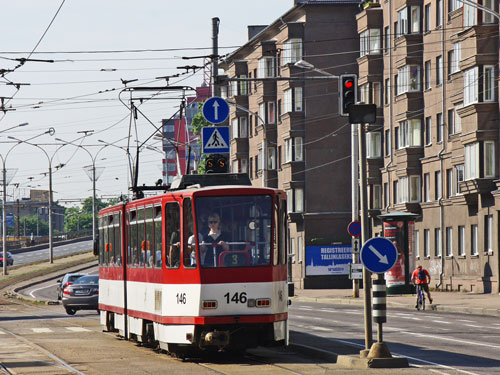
(181, 298)
(236, 297)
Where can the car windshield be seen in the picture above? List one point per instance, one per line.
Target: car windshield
(234, 231)
(90, 280)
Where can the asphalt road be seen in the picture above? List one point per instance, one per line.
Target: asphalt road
(442, 342)
(43, 254)
(452, 343)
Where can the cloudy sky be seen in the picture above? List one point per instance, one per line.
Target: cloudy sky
(95, 45)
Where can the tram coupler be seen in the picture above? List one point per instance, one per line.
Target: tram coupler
(215, 338)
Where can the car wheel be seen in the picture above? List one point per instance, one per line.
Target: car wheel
(70, 311)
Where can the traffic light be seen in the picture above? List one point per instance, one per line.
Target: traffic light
(216, 163)
(348, 92)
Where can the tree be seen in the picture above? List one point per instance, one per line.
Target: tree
(31, 226)
(87, 205)
(197, 124)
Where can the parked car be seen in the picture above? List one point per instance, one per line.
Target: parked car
(83, 294)
(10, 259)
(68, 279)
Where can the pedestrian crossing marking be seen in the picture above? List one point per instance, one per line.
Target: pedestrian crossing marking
(41, 330)
(216, 141)
(77, 329)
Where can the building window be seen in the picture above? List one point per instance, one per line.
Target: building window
(395, 192)
(408, 189)
(387, 142)
(376, 197)
(438, 185)
(292, 51)
(262, 114)
(292, 248)
(373, 145)
(427, 187)
(299, 199)
(298, 107)
(427, 17)
(427, 75)
(244, 165)
(489, 159)
(489, 83)
(369, 41)
(387, 91)
(415, 188)
(454, 57)
(451, 122)
(408, 79)
(271, 158)
(387, 33)
(300, 248)
(416, 244)
(243, 127)
(488, 235)
(471, 84)
(243, 86)
(458, 121)
(377, 94)
(459, 177)
(386, 194)
(454, 5)
(364, 93)
(488, 17)
(428, 131)
(298, 148)
(473, 240)
(292, 101)
(427, 238)
(260, 166)
(293, 149)
(439, 123)
(449, 183)
(471, 161)
(439, 12)
(250, 168)
(410, 133)
(437, 242)
(461, 241)
(415, 19)
(449, 241)
(439, 70)
(266, 67)
(234, 128)
(271, 113)
(289, 200)
(402, 23)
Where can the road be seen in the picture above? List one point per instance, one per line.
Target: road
(43, 254)
(442, 342)
(453, 343)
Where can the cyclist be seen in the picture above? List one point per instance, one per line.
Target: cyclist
(422, 276)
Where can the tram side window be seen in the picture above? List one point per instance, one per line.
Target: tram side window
(282, 231)
(172, 235)
(132, 236)
(101, 241)
(140, 236)
(276, 254)
(106, 246)
(189, 244)
(158, 261)
(149, 259)
(117, 243)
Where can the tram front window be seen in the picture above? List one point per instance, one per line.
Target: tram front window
(234, 231)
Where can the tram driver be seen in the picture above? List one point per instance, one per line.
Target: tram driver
(214, 241)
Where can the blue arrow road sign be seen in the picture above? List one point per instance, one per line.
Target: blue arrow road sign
(215, 140)
(215, 110)
(378, 255)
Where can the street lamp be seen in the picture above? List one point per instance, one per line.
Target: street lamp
(13, 127)
(94, 179)
(51, 131)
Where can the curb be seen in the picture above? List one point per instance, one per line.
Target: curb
(352, 361)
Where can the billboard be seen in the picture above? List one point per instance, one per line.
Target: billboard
(39, 195)
(328, 260)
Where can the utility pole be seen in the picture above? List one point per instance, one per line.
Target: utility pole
(215, 56)
(354, 197)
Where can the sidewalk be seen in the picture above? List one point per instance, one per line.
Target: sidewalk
(465, 303)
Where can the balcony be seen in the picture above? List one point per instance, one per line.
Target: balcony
(409, 47)
(239, 147)
(408, 159)
(408, 102)
(294, 169)
(370, 18)
(479, 117)
(477, 186)
(373, 173)
(371, 68)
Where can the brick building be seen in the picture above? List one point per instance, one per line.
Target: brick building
(286, 133)
(431, 67)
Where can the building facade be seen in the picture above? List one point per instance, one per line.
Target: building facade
(431, 68)
(285, 129)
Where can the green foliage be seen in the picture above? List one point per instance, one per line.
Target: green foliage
(31, 224)
(87, 205)
(197, 124)
(78, 221)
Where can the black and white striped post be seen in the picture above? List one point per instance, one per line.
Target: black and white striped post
(379, 304)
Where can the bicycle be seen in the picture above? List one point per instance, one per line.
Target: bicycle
(420, 297)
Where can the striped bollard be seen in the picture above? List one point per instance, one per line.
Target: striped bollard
(379, 304)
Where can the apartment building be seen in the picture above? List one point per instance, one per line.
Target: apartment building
(286, 132)
(431, 68)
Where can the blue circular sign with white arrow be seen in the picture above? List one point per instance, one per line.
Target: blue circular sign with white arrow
(215, 110)
(378, 255)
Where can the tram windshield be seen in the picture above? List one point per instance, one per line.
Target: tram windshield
(234, 231)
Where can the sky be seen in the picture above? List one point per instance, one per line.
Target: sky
(94, 45)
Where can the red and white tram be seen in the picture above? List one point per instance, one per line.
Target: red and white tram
(164, 281)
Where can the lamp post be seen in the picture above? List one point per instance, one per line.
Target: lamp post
(93, 159)
(49, 159)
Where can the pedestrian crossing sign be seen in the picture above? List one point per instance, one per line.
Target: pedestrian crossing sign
(215, 139)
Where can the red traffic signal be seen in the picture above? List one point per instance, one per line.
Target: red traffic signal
(347, 93)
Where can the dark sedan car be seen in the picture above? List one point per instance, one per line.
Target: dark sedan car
(83, 294)
(68, 279)
(10, 259)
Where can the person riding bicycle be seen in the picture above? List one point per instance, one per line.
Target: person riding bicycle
(421, 276)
